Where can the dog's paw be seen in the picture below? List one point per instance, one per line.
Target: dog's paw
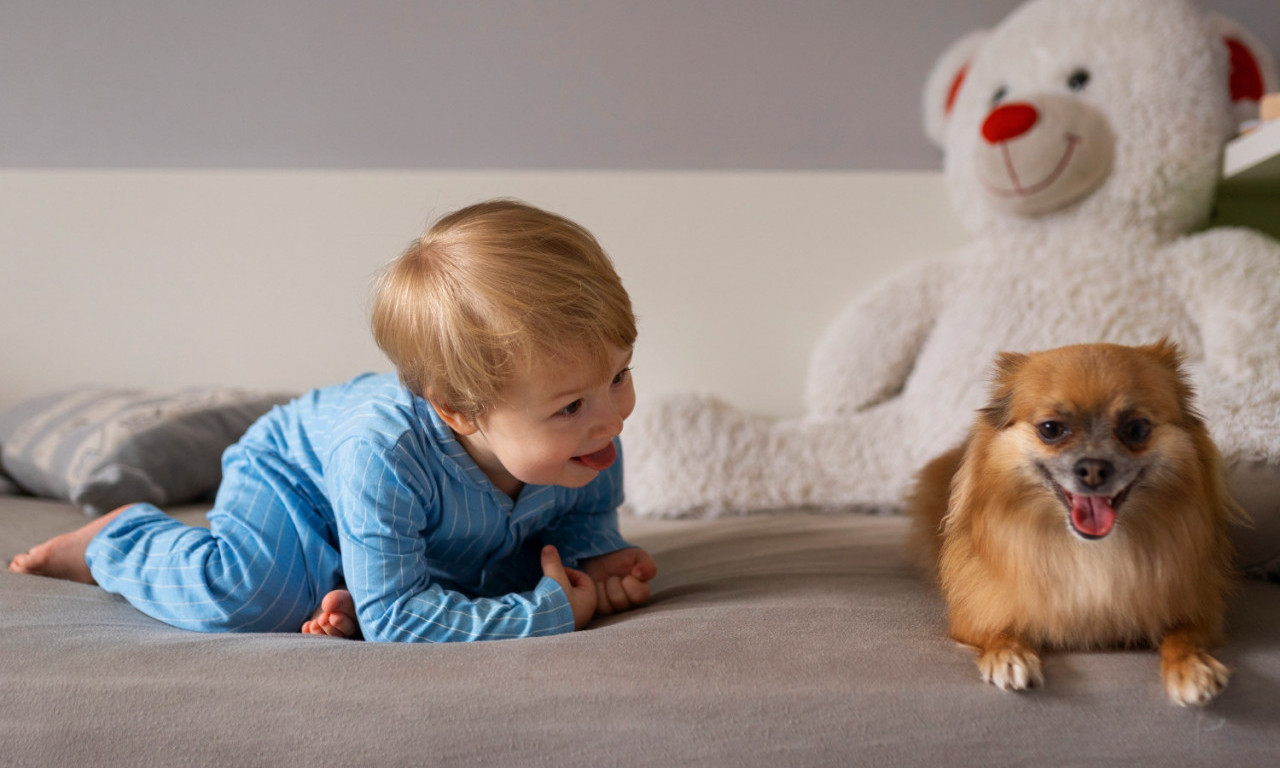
(1011, 669)
(1194, 679)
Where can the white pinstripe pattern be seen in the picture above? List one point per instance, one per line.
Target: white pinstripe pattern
(361, 480)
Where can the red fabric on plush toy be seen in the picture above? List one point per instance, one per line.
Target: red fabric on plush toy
(1246, 76)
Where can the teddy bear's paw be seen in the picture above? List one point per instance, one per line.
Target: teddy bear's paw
(691, 454)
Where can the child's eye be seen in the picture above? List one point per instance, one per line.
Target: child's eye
(622, 376)
(571, 408)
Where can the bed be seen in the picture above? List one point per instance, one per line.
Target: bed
(788, 638)
(793, 638)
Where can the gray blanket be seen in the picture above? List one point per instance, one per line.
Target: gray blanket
(783, 639)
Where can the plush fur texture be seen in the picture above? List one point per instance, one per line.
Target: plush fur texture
(1087, 509)
(1108, 252)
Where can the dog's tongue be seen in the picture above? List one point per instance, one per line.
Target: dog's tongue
(1092, 515)
(601, 459)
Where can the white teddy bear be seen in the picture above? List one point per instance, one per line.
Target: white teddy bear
(1083, 140)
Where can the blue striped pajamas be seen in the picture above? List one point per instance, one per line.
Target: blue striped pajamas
(360, 484)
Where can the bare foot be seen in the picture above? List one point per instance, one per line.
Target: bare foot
(336, 616)
(62, 557)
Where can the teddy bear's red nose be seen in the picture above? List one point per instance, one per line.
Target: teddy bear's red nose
(1009, 122)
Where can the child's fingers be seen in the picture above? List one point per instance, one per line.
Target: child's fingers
(552, 567)
(620, 594)
(570, 579)
(637, 590)
(645, 568)
(603, 606)
(617, 596)
(579, 580)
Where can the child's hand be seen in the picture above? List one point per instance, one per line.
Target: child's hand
(622, 579)
(577, 586)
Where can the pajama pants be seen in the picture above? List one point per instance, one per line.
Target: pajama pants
(268, 557)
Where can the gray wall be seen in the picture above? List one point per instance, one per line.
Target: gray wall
(597, 84)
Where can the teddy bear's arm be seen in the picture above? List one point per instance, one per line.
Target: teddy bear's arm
(866, 355)
(1230, 279)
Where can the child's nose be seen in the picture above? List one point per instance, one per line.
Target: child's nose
(610, 422)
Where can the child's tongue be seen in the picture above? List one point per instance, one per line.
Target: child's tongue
(601, 459)
(1092, 515)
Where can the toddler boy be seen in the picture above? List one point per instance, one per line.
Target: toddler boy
(440, 503)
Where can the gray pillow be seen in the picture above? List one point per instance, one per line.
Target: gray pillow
(101, 448)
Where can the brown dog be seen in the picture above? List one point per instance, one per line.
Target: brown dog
(1087, 509)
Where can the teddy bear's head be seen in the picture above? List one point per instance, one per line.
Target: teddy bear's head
(1107, 112)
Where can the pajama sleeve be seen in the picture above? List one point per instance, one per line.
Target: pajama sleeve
(590, 526)
(386, 508)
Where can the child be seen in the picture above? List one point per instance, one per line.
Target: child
(445, 498)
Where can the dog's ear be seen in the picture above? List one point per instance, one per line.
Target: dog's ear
(1167, 354)
(997, 413)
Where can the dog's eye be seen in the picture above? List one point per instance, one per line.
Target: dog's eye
(1052, 431)
(1134, 432)
(1078, 80)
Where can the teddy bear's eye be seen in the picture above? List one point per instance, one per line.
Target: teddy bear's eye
(1078, 80)
(1000, 93)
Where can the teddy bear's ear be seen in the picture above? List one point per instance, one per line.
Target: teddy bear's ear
(1253, 67)
(945, 81)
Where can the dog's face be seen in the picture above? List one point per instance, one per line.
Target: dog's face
(1096, 426)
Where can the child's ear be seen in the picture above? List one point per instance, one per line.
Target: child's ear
(463, 425)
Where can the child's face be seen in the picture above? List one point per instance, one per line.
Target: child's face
(554, 425)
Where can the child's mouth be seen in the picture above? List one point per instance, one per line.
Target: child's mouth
(600, 460)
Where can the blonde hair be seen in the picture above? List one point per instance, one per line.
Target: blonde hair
(487, 290)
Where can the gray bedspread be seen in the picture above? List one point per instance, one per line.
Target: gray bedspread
(782, 639)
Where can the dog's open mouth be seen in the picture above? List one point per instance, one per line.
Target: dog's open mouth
(1092, 517)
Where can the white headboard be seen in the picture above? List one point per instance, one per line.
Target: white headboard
(261, 279)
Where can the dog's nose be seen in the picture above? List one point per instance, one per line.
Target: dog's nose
(1093, 473)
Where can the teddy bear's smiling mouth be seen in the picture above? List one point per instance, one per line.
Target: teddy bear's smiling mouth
(1018, 190)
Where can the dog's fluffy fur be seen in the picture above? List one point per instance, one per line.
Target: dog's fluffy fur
(1086, 509)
